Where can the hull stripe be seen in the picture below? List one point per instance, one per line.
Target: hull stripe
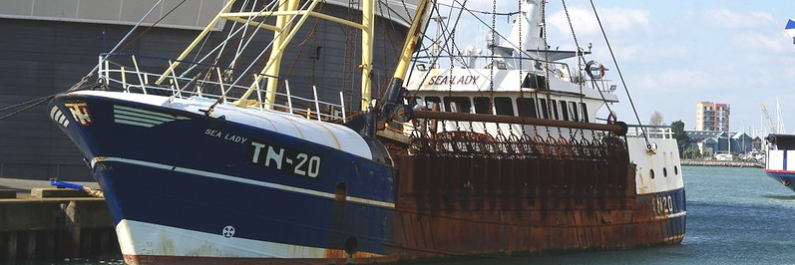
(670, 216)
(132, 114)
(777, 172)
(143, 118)
(213, 175)
(143, 113)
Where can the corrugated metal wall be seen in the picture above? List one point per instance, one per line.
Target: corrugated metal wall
(40, 58)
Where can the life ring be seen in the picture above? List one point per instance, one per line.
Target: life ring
(595, 70)
(611, 119)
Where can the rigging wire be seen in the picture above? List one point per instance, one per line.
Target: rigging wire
(546, 60)
(493, 12)
(492, 46)
(580, 58)
(260, 57)
(90, 73)
(449, 47)
(24, 106)
(520, 21)
(422, 45)
(620, 75)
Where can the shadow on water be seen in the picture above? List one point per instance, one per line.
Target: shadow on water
(780, 197)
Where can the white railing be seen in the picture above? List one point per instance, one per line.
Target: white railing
(652, 131)
(212, 84)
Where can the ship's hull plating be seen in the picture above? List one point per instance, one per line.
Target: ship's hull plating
(786, 178)
(778, 164)
(195, 188)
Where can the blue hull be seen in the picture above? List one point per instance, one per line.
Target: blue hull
(198, 173)
(786, 179)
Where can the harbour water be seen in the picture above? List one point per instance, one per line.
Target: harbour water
(734, 216)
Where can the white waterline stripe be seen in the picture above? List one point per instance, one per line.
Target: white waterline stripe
(238, 179)
(670, 216)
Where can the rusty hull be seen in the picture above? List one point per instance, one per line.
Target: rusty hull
(464, 194)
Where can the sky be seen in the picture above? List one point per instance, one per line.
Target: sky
(674, 54)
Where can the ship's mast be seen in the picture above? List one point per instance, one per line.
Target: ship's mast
(395, 89)
(196, 41)
(368, 22)
(285, 29)
(272, 70)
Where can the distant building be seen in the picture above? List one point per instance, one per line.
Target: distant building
(714, 142)
(712, 116)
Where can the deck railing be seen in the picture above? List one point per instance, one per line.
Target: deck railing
(123, 72)
(652, 131)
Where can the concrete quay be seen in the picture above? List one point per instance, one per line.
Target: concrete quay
(41, 222)
(716, 163)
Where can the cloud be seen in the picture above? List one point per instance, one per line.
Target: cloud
(727, 19)
(756, 41)
(669, 54)
(613, 19)
(676, 80)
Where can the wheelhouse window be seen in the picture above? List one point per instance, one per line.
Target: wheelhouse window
(542, 104)
(503, 106)
(431, 101)
(526, 107)
(482, 105)
(554, 104)
(584, 112)
(457, 104)
(574, 111)
(414, 101)
(564, 111)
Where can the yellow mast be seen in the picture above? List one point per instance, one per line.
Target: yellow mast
(284, 31)
(196, 41)
(410, 45)
(269, 70)
(395, 89)
(368, 21)
(279, 39)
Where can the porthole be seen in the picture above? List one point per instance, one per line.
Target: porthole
(676, 170)
(665, 172)
(651, 173)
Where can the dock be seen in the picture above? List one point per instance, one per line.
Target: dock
(41, 222)
(718, 163)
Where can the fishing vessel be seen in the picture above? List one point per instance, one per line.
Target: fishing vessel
(777, 166)
(211, 160)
